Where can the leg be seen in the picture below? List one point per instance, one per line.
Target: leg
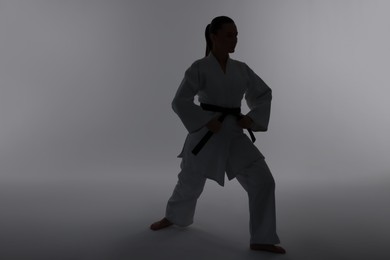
(180, 208)
(259, 183)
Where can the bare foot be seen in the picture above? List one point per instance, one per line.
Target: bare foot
(268, 248)
(161, 224)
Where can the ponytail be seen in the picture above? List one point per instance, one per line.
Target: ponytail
(209, 43)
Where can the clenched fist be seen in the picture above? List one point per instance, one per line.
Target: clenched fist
(214, 125)
(245, 122)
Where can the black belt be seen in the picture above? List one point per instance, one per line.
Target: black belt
(235, 111)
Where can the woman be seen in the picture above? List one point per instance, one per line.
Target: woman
(221, 83)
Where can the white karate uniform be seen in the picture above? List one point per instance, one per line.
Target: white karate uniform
(229, 150)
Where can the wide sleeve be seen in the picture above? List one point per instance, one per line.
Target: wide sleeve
(192, 115)
(258, 97)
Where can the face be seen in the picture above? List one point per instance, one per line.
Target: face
(226, 38)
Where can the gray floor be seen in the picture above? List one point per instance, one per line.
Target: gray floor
(108, 218)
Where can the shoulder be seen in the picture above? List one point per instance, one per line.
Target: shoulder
(195, 66)
(200, 62)
(242, 66)
(200, 66)
(237, 62)
(194, 70)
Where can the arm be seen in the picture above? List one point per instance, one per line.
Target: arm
(258, 97)
(192, 115)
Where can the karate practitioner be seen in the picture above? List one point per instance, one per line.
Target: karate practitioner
(220, 84)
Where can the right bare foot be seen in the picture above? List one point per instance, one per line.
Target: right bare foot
(269, 248)
(161, 224)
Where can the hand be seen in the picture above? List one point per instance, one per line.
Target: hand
(245, 122)
(214, 125)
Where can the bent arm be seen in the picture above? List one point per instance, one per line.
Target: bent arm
(192, 115)
(258, 97)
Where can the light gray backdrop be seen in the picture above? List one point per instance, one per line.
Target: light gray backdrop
(86, 89)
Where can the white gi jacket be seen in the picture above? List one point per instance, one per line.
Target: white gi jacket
(230, 150)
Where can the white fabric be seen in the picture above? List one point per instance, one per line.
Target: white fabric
(258, 182)
(206, 79)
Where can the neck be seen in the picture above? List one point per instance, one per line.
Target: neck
(222, 57)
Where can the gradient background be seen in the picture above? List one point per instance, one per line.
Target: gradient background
(88, 139)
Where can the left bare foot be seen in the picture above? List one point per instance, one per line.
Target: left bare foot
(164, 223)
(268, 248)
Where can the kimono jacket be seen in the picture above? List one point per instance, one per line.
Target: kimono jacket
(229, 150)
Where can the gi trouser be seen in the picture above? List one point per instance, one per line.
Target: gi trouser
(257, 181)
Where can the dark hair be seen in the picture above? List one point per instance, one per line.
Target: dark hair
(212, 28)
